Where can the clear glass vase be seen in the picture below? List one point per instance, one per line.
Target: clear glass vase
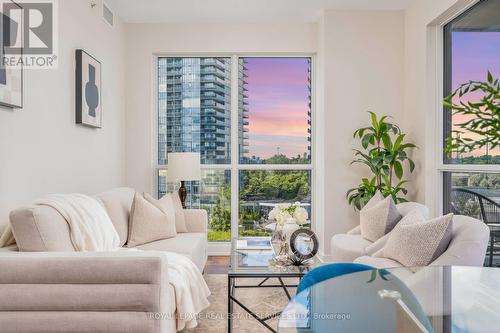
(279, 242)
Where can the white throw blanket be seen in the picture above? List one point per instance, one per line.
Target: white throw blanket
(191, 290)
(90, 227)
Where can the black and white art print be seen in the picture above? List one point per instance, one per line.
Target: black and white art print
(11, 44)
(88, 90)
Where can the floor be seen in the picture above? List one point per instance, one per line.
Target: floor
(217, 265)
(263, 301)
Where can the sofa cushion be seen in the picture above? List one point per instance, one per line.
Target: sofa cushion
(346, 247)
(378, 219)
(148, 223)
(418, 243)
(40, 228)
(192, 245)
(118, 203)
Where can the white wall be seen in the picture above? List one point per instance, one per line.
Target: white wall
(421, 73)
(42, 150)
(363, 57)
(145, 40)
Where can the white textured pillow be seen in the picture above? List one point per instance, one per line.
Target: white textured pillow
(377, 197)
(378, 219)
(418, 243)
(148, 223)
(166, 205)
(413, 216)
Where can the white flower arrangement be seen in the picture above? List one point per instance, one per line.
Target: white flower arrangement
(283, 212)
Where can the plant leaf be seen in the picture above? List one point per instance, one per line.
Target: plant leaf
(398, 169)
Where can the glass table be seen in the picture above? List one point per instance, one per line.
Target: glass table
(433, 299)
(255, 264)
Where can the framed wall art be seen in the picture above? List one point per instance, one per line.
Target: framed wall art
(88, 90)
(11, 53)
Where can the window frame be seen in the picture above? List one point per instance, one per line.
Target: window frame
(441, 61)
(220, 247)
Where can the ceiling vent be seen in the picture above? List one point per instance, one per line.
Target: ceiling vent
(107, 14)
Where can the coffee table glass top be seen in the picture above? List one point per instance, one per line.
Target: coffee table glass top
(257, 263)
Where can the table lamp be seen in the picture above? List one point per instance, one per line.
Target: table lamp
(183, 167)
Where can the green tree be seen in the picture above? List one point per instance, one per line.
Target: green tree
(484, 180)
(221, 214)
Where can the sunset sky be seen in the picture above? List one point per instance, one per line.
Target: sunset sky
(474, 53)
(278, 102)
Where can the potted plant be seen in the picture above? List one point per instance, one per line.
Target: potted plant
(384, 153)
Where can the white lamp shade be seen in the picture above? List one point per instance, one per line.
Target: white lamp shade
(184, 166)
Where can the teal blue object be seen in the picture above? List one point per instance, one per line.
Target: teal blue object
(330, 271)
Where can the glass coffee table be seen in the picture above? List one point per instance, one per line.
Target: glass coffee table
(255, 264)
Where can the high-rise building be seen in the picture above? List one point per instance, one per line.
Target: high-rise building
(243, 110)
(194, 111)
(195, 108)
(309, 108)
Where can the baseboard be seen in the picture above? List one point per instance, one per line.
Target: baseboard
(219, 249)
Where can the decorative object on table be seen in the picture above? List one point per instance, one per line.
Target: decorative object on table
(288, 217)
(11, 77)
(481, 118)
(88, 90)
(303, 247)
(183, 167)
(384, 153)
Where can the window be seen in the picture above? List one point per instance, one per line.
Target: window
(471, 49)
(250, 119)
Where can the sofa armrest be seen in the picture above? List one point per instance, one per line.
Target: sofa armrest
(196, 220)
(354, 231)
(98, 281)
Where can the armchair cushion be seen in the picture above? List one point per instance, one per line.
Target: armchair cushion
(346, 247)
(405, 207)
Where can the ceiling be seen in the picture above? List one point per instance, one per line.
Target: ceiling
(249, 11)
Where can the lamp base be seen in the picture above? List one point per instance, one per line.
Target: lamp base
(183, 194)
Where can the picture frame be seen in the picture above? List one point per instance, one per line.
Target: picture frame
(88, 90)
(12, 77)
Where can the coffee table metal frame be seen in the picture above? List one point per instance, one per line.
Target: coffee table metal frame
(264, 277)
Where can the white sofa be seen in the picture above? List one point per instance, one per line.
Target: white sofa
(351, 245)
(46, 286)
(467, 247)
